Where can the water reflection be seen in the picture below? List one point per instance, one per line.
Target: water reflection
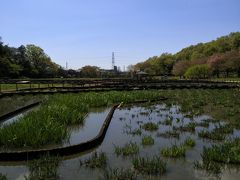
(133, 117)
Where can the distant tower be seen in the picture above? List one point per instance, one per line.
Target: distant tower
(66, 65)
(113, 60)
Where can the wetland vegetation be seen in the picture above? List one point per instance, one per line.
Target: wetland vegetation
(119, 174)
(49, 123)
(97, 160)
(3, 177)
(149, 166)
(147, 140)
(191, 131)
(128, 149)
(46, 167)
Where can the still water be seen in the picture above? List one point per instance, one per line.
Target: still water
(126, 119)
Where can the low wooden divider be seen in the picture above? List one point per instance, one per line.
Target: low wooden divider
(18, 111)
(60, 151)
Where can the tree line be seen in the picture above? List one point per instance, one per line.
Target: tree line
(31, 61)
(26, 61)
(218, 58)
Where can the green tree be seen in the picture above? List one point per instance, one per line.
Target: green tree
(90, 71)
(197, 72)
(42, 65)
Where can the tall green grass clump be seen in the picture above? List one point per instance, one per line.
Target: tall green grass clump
(119, 174)
(97, 160)
(44, 168)
(211, 135)
(149, 166)
(169, 134)
(150, 126)
(127, 150)
(32, 131)
(3, 177)
(189, 142)
(218, 133)
(208, 165)
(174, 151)
(147, 140)
(190, 127)
(228, 152)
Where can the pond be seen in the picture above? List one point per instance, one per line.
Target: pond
(170, 126)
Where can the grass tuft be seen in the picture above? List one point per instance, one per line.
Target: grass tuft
(129, 149)
(147, 140)
(150, 166)
(97, 160)
(119, 174)
(189, 142)
(174, 151)
(228, 152)
(150, 126)
(44, 168)
(3, 177)
(169, 134)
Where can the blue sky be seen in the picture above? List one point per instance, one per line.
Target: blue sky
(85, 32)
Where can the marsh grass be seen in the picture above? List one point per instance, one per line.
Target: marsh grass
(128, 149)
(228, 152)
(44, 168)
(147, 140)
(119, 174)
(96, 160)
(174, 151)
(218, 133)
(48, 125)
(150, 126)
(149, 166)
(211, 135)
(224, 129)
(169, 134)
(190, 127)
(209, 166)
(189, 142)
(3, 177)
(135, 132)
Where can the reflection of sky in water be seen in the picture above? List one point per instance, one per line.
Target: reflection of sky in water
(133, 117)
(92, 125)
